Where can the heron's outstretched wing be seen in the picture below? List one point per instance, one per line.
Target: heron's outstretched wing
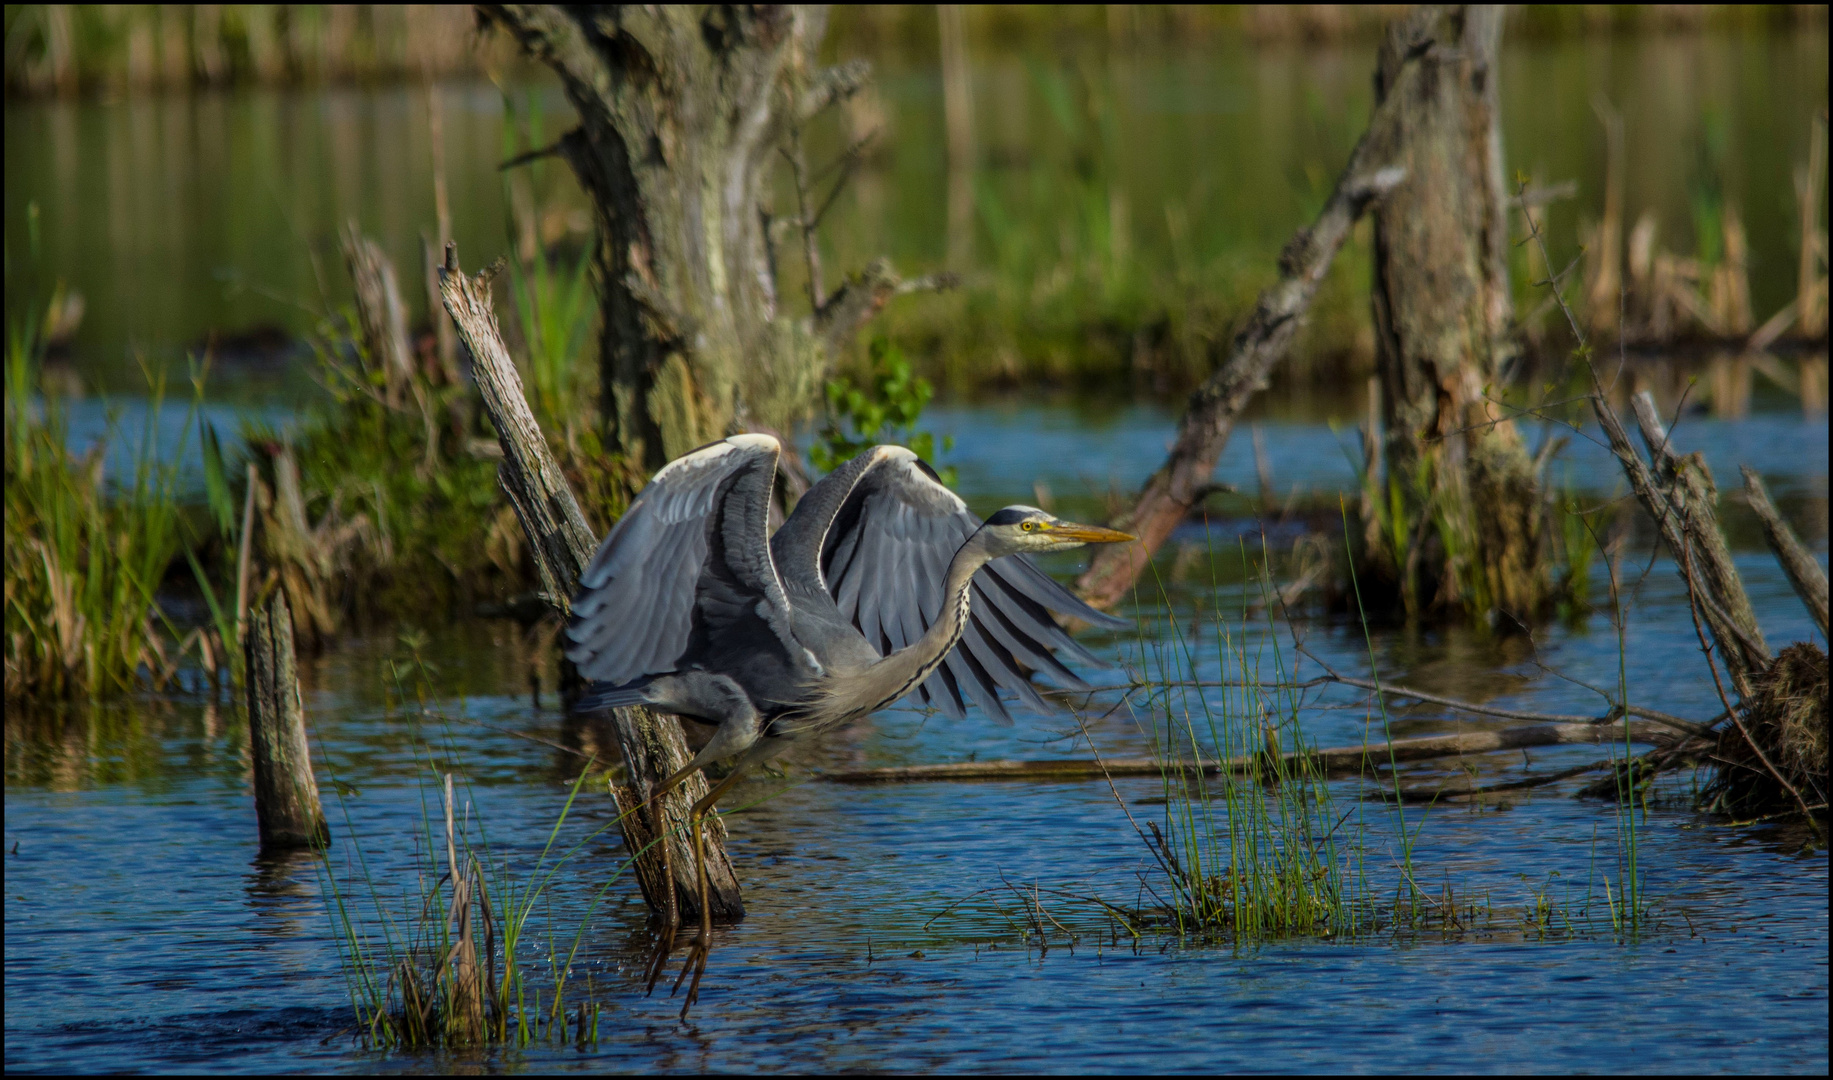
(688, 562)
(878, 535)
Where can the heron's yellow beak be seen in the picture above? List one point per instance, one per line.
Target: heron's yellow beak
(1089, 534)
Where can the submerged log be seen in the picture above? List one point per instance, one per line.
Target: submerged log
(286, 793)
(652, 743)
(1334, 761)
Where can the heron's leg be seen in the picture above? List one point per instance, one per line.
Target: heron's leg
(697, 952)
(695, 694)
(671, 918)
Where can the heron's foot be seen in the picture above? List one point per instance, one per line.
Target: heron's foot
(695, 963)
(658, 960)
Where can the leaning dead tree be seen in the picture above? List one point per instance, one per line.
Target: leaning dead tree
(1186, 478)
(562, 543)
(686, 114)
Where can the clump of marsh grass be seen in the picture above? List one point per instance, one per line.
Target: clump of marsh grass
(464, 960)
(1787, 714)
(1254, 853)
(85, 553)
(452, 967)
(1252, 845)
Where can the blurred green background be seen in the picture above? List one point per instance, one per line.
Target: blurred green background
(1134, 171)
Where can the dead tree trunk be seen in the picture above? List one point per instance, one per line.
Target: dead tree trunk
(562, 544)
(1442, 316)
(684, 114)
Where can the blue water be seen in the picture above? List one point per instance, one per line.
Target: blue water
(143, 933)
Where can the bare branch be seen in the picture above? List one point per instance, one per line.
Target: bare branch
(1803, 570)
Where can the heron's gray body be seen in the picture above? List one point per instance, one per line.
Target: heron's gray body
(879, 585)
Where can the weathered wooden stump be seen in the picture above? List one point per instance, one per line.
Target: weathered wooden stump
(286, 794)
(560, 541)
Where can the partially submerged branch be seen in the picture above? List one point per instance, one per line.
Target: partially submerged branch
(1334, 761)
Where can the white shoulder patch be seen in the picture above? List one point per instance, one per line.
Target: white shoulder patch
(755, 440)
(703, 456)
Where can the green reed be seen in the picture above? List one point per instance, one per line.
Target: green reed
(1254, 845)
(1253, 854)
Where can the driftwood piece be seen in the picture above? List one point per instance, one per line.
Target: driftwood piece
(286, 794)
(1687, 495)
(1803, 570)
(562, 544)
(1185, 478)
(1334, 761)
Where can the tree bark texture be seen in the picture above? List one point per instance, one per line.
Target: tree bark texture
(1442, 309)
(287, 808)
(684, 112)
(1684, 501)
(1187, 476)
(562, 543)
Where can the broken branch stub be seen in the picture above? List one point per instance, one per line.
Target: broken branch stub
(562, 543)
(287, 807)
(380, 313)
(1685, 489)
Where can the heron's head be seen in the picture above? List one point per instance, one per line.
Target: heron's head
(1026, 528)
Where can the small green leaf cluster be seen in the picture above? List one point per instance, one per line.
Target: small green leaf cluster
(884, 410)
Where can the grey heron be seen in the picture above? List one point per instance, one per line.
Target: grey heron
(880, 585)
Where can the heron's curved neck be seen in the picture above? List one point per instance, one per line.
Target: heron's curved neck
(915, 662)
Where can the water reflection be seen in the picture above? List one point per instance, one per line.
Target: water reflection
(283, 894)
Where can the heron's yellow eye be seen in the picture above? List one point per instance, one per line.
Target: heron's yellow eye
(1028, 526)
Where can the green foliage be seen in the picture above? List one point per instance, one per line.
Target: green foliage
(884, 410)
(1251, 856)
(410, 469)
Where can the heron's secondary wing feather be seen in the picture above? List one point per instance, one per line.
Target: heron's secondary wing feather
(634, 613)
(882, 530)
